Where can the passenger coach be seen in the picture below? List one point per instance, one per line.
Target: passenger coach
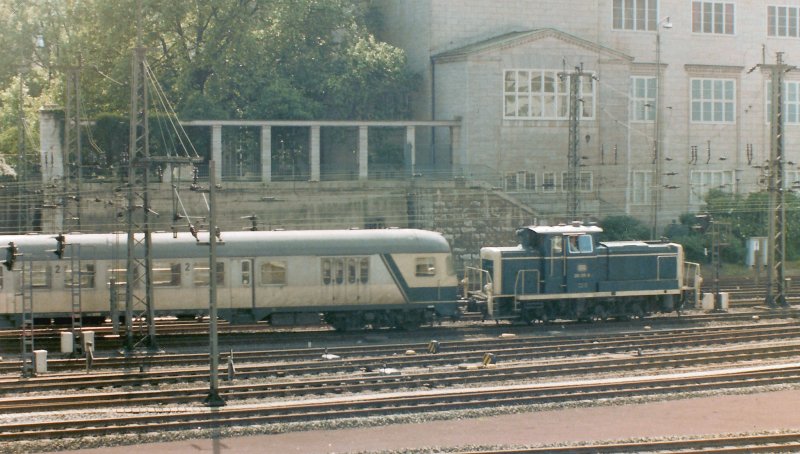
(352, 278)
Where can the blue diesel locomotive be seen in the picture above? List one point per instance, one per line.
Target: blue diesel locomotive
(565, 272)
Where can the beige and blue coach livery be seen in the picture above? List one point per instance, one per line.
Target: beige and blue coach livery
(348, 278)
(565, 272)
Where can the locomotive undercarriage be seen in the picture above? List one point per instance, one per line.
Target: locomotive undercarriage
(583, 309)
(400, 318)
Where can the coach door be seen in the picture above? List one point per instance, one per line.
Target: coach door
(344, 279)
(244, 291)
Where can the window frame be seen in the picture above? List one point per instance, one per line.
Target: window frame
(641, 187)
(425, 266)
(706, 179)
(273, 278)
(160, 270)
(706, 16)
(697, 86)
(643, 107)
(642, 16)
(551, 97)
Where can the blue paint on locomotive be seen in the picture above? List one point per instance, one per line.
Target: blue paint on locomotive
(566, 270)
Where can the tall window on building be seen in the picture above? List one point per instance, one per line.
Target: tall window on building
(713, 100)
(783, 21)
(549, 182)
(641, 182)
(635, 14)
(643, 98)
(703, 181)
(791, 102)
(540, 94)
(713, 17)
(585, 179)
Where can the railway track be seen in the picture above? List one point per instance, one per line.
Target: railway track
(394, 404)
(361, 381)
(285, 362)
(784, 442)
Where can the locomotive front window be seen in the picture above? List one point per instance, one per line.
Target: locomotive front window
(273, 273)
(426, 266)
(166, 274)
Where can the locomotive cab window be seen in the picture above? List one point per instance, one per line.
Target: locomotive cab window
(273, 273)
(556, 243)
(426, 266)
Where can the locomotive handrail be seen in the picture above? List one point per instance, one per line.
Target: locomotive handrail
(475, 280)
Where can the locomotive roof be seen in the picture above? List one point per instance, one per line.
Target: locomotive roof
(112, 246)
(563, 229)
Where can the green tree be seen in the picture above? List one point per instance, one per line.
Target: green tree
(621, 228)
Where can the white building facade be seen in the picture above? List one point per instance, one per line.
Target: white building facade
(502, 69)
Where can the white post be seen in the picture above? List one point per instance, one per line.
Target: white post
(363, 152)
(314, 153)
(266, 154)
(216, 150)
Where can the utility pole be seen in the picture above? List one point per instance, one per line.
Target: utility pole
(139, 265)
(22, 194)
(213, 399)
(73, 169)
(776, 240)
(573, 159)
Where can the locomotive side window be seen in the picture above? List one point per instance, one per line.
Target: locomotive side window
(201, 276)
(86, 276)
(585, 243)
(166, 274)
(557, 244)
(246, 273)
(326, 271)
(40, 275)
(426, 266)
(364, 270)
(273, 273)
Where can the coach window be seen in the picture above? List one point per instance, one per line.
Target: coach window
(86, 276)
(120, 276)
(40, 275)
(201, 276)
(246, 272)
(339, 271)
(426, 266)
(351, 271)
(364, 270)
(166, 274)
(326, 271)
(273, 273)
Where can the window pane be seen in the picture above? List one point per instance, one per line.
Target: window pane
(166, 274)
(273, 273)
(425, 266)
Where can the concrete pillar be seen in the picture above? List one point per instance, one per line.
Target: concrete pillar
(363, 152)
(314, 146)
(51, 158)
(216, 149)
(411, 143)
(266, 154)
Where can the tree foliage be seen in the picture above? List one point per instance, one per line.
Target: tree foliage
(214, 59)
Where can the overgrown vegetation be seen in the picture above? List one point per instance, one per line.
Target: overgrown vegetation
(214, 59)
